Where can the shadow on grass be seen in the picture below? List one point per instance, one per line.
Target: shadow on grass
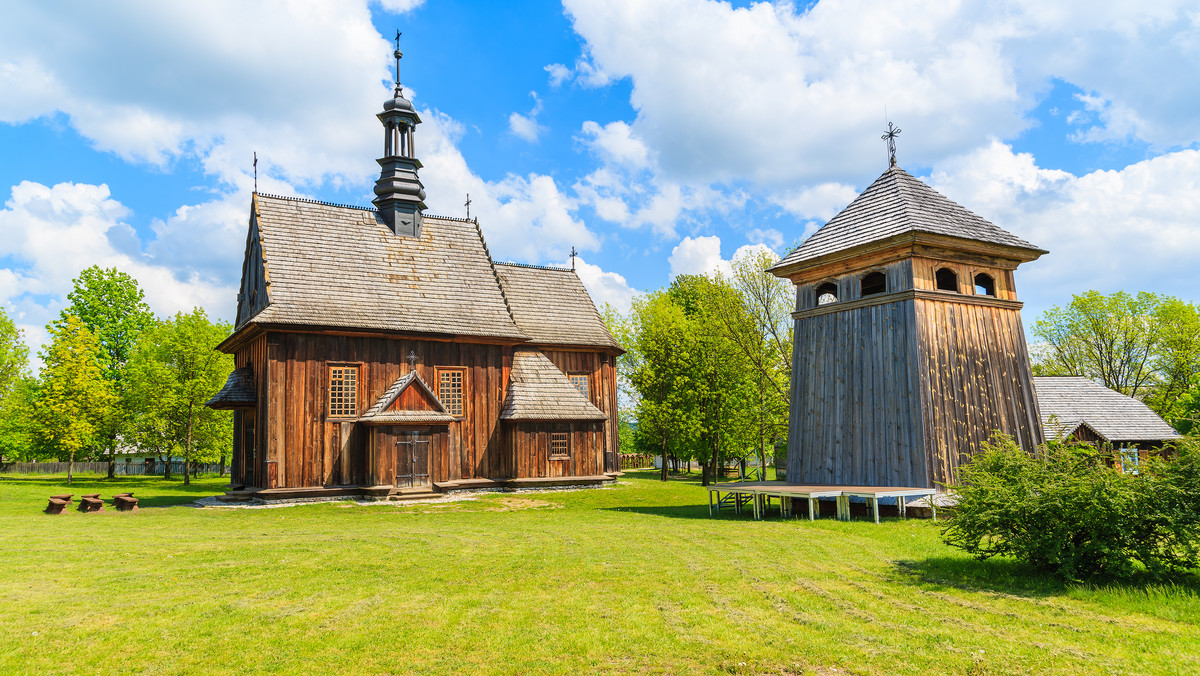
(670, 511)
(151, 491)
(1009, 576)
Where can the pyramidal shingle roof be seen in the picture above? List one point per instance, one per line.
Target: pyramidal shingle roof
(537, 390)
(895, 204)
(551, 306)
(342, 266)
(1075, 400)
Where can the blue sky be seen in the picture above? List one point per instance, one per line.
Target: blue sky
(658, 137)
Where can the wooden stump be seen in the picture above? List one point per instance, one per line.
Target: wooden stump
(89, 504)
(125, 503)
(57, 505)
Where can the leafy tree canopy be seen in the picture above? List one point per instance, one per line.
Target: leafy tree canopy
(111, 305)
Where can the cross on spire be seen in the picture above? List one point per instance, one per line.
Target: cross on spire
(412, 360)
(399, 55)
(574, 254)
(890, 137)
(256, 172)
(467, 204)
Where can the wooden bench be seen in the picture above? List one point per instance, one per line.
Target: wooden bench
(89, 504)
(66, 496)
(57, 505)
(125, 502)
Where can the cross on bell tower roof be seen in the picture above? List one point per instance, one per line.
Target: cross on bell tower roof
(890, 137)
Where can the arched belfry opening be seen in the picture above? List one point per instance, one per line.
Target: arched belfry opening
(946, 279)
(909, 344)
(873, 283)
(827, 293)
(985, 285)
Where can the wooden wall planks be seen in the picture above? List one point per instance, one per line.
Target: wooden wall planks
(304, 447)
(900, 393)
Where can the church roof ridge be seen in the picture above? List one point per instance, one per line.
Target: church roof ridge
(356, 207)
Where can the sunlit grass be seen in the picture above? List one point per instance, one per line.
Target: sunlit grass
(635, 578)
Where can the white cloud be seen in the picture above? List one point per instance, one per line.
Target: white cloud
(615, 144)
(50, 234)
(821, 201)
(702, 256)
(605, 287)
(524, 218)
(526, 126)
(768, 236)
(400, 6)
(775, 94)
(1135, 229)
(153, 82)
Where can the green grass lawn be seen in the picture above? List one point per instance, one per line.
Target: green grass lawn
(631, 579)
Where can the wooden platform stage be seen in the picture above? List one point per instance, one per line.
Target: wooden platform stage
(759, 494)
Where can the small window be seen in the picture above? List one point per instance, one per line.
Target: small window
(560, 445)
(984, 286)
(580, 381)
(827, 293)
(946, 279)
(343, 391)
(873, 283)
(1130, 461)
(450, 390)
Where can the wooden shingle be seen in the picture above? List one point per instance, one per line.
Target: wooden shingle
(1066, 402)
(896, 204)
(551, 306)
(537, 390)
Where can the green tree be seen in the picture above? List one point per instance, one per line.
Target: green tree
(75, 402)
(15, 390)
(171, 373)
(112, 306)
(1146, 346)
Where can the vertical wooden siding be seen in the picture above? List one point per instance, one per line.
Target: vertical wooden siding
(855, 415)
(530, 446)
(976, 381)
(602, 383)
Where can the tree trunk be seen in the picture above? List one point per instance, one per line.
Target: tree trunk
(112, 456)
(187, 451)
(223, 465)
(167, 470)
(664, 460)
(70, 467)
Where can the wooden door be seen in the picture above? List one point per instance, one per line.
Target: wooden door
(412, 458)
(249, 449)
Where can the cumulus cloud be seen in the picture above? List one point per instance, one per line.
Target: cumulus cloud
(1134, 229)
(526, 126)
(49, 234)
(605, 287)
(702, 256)
(777, 94)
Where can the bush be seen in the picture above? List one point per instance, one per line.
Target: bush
(1067, 513)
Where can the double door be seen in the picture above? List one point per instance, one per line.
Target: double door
(412, 458)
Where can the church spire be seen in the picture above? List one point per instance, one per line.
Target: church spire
(399, 195)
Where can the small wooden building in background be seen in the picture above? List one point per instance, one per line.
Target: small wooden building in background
(1075, 408)
(383, 350)
(908, 347)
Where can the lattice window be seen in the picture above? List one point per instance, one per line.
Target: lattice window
(450, 390)
(343, 391)
(560, 445)
(580, 381)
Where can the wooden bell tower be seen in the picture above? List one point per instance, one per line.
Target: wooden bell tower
(908, 349)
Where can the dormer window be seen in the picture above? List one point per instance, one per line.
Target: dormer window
(946, 280)
(873, 283)
(827, 293)
(984, 285)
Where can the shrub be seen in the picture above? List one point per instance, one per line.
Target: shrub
(1067, 513)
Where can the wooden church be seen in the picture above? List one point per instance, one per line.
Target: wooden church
(382, 351)
(908, 347)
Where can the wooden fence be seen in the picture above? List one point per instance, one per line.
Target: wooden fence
(637, 461)
(122, 468)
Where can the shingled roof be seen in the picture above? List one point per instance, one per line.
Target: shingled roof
(896, 204)
(1073, 401)
(342, 266)
(238, 392)
(551, 306)
(537, 390)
